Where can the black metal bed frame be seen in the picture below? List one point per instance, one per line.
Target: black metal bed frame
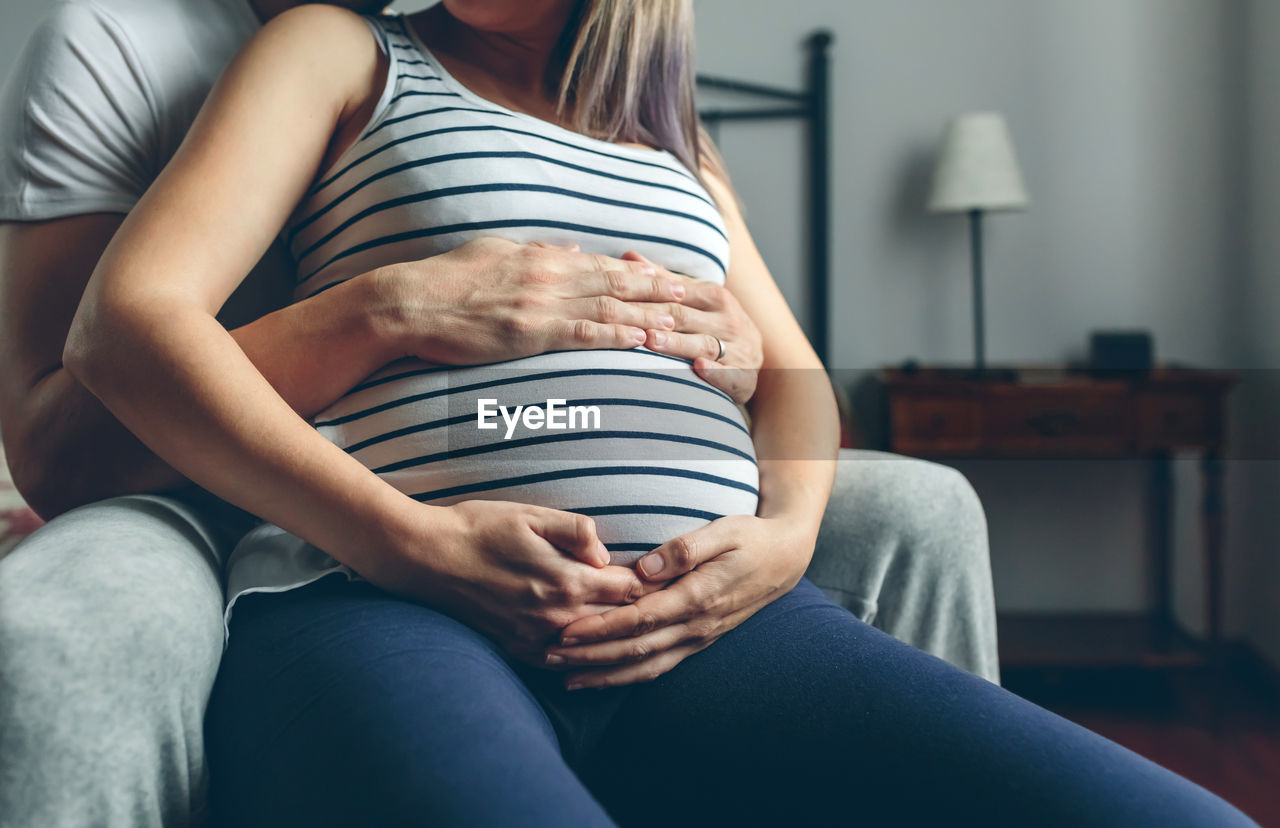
(812, 105)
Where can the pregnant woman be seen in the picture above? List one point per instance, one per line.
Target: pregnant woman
(368, 684)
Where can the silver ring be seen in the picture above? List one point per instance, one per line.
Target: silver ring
(719, 342)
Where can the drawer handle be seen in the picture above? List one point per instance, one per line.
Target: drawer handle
(1053, 423)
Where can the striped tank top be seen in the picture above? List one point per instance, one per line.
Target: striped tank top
(645, 447)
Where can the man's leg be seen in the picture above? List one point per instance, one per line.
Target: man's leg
(904, 547)
(110, 635)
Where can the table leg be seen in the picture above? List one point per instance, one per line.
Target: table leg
(1213, 513)
(1161, 540)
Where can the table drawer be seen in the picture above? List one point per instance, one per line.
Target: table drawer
(1053, 423)
(936, 425)
(1173, 420)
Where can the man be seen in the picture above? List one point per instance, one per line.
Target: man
(111, 615)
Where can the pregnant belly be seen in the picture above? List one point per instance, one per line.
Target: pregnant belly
(634, 439)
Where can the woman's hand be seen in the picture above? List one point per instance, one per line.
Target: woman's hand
(709, 311)
(726, 571)
(492, 300)
(517, 573)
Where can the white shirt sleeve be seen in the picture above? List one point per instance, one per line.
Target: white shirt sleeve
(78, 120)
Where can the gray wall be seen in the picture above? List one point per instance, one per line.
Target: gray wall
(1117, 110)
(1145, 128)
(1130, 117)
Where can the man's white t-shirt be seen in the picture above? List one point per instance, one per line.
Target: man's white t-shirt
(101, 97)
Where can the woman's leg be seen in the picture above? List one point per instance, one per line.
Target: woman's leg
(338, 704)
(805, 715)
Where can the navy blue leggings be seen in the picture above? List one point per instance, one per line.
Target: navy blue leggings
(338, 704)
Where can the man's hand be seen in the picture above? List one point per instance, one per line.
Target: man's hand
(492, 300)
(726, 572)
(707, 312)
(517, 573)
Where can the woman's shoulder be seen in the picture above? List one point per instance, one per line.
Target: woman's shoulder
(325, 54)
(321, 31)
(317, 15)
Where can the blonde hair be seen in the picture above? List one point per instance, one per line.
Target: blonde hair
(629, 78)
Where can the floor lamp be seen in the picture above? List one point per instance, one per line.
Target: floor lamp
(977, 173)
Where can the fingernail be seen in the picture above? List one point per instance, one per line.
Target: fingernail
(667, 321)
(659, 338)
(677, 290)
(568, 642)
(552, 658)
(651, 564)
(648, 270)
(575, 685)
(639, 336)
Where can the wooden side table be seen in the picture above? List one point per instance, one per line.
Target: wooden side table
(1057, 413)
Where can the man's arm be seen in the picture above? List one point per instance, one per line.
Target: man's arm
(65, 449)
(62, 444)
(79, 137)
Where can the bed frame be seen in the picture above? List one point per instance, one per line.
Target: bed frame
(813, 106)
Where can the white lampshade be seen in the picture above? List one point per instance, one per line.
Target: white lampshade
(977, 169)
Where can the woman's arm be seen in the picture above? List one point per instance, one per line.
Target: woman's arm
(794, 421)
(64, 448)
(145, 339)
(146, 342)
(732, 567)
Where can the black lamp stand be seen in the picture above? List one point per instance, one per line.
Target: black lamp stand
(979, 334)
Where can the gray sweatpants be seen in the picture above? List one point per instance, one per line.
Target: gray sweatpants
(111, 632)
(904, 547)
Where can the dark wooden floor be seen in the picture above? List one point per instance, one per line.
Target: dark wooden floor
(1169, 719)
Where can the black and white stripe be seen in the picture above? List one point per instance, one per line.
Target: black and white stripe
(438, 166)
